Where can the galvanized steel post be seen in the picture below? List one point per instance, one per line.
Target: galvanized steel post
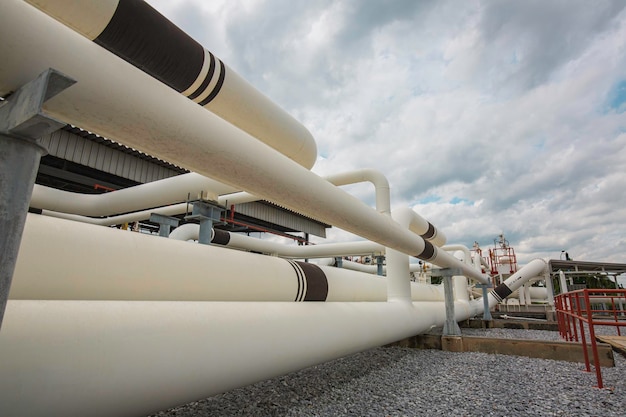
(487, 310)
(379, 265)
(165, 223)
(450, 327)
(22, 122)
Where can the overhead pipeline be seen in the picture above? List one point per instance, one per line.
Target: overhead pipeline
(138, 34)
(149, 118)
(112, 264)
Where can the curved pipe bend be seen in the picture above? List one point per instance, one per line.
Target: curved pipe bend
(380, 182)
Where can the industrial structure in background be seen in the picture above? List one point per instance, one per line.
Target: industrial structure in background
(136, 169)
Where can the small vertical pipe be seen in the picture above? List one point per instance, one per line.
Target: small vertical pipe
(398, 282)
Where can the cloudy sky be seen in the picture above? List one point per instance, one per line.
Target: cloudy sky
(487, 117)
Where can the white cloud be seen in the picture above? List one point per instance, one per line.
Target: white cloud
(502, 105)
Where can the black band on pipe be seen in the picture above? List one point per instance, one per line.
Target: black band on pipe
(220, 237)
(206, 80)
(316, 282)
(142, 36)
(218, 86)
(501, 292)
(431, 232)
(300, 277)
(429, 251)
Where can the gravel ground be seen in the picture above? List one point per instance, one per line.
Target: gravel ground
(398, 381)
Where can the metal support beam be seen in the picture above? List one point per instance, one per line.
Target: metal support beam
(207, 213)
(486, 309)
(22, 122)
(379, 265)
(450, 327)
(165, 223)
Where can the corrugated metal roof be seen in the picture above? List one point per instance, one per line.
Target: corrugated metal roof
(272, 213)
(91, 150)
(122, 148)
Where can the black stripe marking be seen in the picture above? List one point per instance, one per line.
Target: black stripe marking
(142, 36)
(300, 278)
(501, 292)
(218, 86)
(429, 251)
(317, 283)
(220, 237)
(207, 79)
(430, 233)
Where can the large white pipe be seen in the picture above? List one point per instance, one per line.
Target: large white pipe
(121, 358)
(154, 114)
(61, 259)
(170, 55)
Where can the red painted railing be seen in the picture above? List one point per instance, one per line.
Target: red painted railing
(578, 312)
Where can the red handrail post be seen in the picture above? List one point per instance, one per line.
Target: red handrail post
(592, 335)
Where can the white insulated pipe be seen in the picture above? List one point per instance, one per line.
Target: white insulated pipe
(164, 192)
(167, 192)
(121, 358)
(188, 231)
(122, 218)
(380, 182)
(467, 257)
(137, 33)
(529, 271)
(161, 122)
(61, 259)
(191, 231)
(172, 210)
(420, 226)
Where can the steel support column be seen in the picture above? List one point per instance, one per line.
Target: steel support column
(379, 265)
(165, 223)
(450, 327)
(207, 213)
(22, 122)
(486, 310)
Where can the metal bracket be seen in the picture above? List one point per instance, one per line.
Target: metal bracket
(208, 213)
(22, 114)
(165, 223)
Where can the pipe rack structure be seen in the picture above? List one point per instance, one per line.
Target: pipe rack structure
(102, 321)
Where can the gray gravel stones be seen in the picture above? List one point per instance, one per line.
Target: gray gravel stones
(408, 382)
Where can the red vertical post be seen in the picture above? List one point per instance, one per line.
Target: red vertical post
(592, 335)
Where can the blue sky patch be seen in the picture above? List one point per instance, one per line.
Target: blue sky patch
(617, 97)
(459, 200)
(429, 199)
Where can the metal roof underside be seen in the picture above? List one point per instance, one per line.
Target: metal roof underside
(587, 267)
(81, 161)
